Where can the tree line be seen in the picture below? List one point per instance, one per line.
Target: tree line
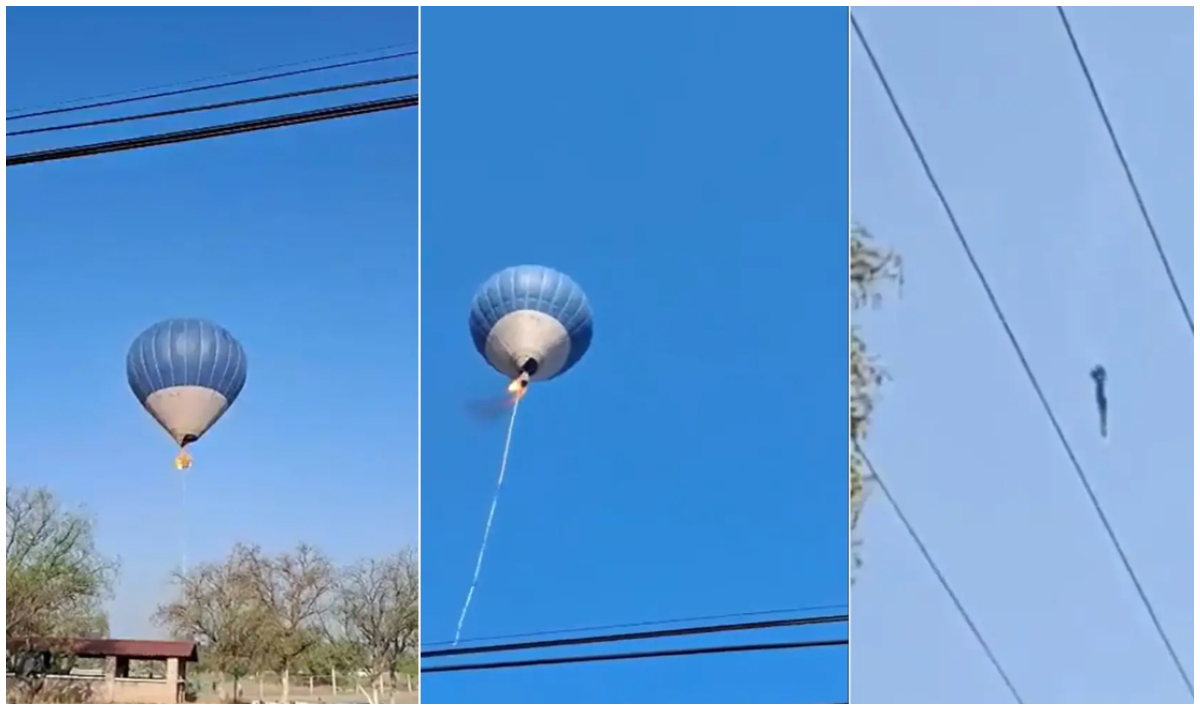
(296, 612)
(254, 611)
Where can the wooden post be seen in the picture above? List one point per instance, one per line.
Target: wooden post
(333, 674)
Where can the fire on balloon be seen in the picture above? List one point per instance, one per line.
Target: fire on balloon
(183, 461)
(518, 387)
(496, 406)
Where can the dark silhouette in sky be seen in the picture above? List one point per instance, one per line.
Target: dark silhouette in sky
(1099, 375)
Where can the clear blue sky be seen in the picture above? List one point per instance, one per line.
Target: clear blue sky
(301, 241)
(688, 169)
(1001, 106)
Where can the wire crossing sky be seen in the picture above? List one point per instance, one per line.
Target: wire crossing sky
(1137, 194)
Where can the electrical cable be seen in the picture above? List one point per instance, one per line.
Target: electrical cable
(211, 77)
(1020, 352)
(639, 624)
(635, 655)
(639, 635)
(228, 129)
(937, 571)
(1137, 194)
(209, 87)
(221, 105)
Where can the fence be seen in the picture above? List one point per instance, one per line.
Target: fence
(334, 687)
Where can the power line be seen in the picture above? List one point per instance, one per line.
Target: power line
(640, 624)
(228, 129)
(937, 571)
(221, 105)
(209, 87)
(1037, 388)
(215, 77)
(637, 636)
(635, 655)
(1137, 194)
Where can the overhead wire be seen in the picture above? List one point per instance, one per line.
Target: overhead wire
(1081, 475)
(641, 624)
(877, 480)
(212, 86)
(1137, 193)
(634, 655)
(228, 129)
(209, 78)
(638, 636)
(221, 105)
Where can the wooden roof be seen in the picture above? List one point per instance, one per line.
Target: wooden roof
(99, 648)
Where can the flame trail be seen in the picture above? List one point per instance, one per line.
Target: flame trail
(517, 392)
(182, 463)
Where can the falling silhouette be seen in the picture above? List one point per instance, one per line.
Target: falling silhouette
(1099, 375)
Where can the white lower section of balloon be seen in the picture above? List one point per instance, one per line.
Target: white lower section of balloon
(186, 412)
(525, 334)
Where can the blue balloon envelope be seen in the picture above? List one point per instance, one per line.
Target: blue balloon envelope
(531, 321)
(186, 372)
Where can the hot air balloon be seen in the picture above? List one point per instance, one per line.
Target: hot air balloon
(531, 323)
(186, 372)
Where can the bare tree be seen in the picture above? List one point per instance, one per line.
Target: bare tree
(294, 611)
(293, 590)
(334, 654)
(217, 607)
(377, 608)
(870, 266)
(55, 584)
(55, 578)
